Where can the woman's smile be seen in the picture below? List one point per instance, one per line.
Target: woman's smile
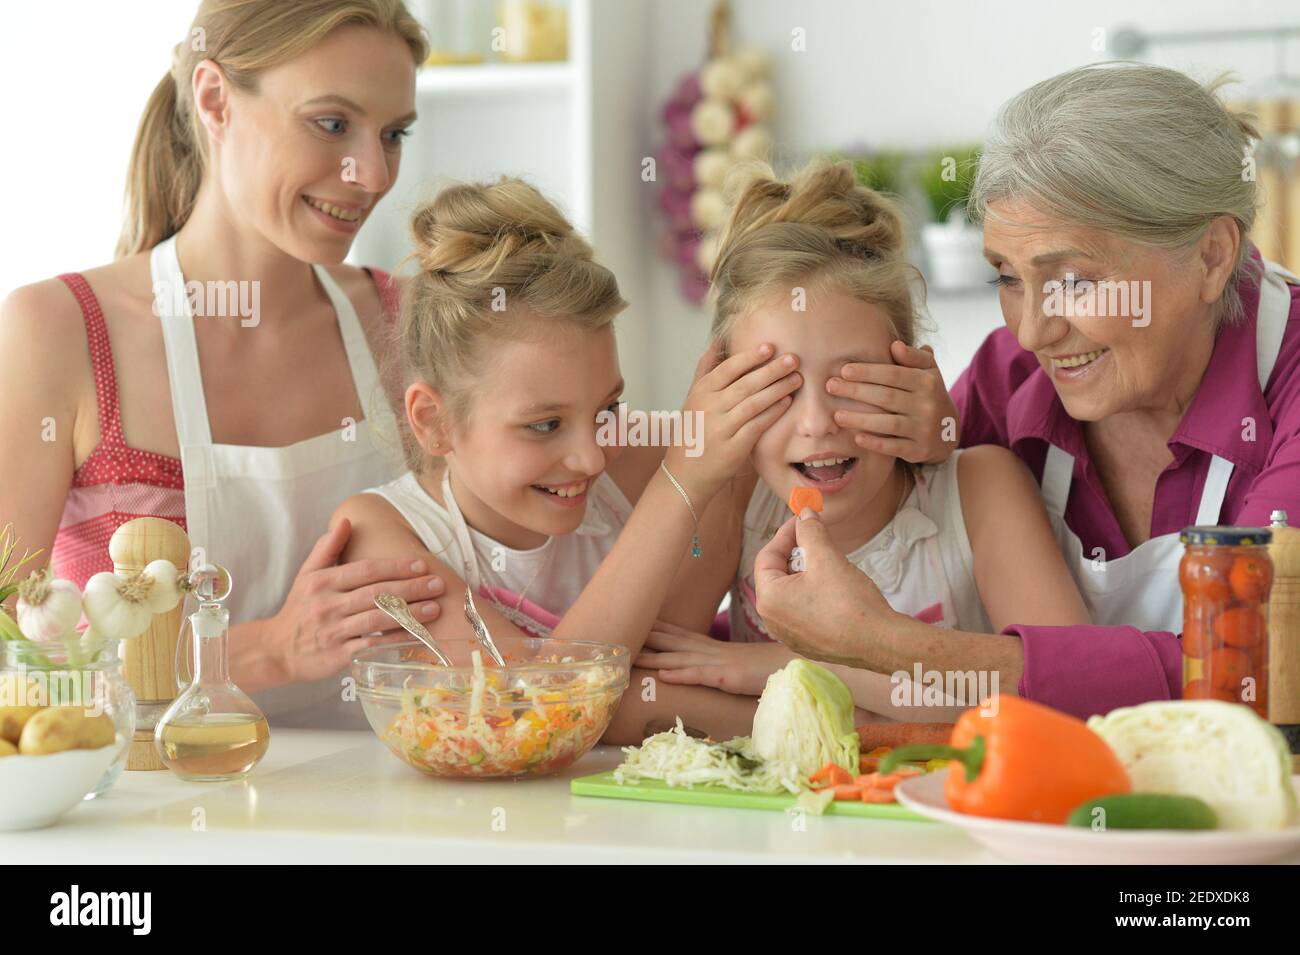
(345, 218)
(1072, 368)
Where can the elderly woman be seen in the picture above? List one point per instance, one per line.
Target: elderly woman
(1149, 376)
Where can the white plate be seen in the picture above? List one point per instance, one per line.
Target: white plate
(36, 790)
(1075, 845)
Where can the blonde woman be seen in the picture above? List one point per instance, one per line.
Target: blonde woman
(259, 156)
(1181, 407)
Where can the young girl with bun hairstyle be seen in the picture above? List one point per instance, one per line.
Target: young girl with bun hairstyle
(508, 359)
(817, 266)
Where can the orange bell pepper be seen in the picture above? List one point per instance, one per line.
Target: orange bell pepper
(1026, 762)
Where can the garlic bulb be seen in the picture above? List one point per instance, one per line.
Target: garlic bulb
(752, 142)
(706, 254)
(165, 593)
(710, 167)
(722, 78)
(118, 606)
(712, 122)
(708, 209)
(47, 609)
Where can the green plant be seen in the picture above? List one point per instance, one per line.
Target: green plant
(8, 545)
(881, 170)
(946, 177)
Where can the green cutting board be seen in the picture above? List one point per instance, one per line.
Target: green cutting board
(652, 790)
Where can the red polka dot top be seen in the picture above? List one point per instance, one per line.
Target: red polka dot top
(118, 483)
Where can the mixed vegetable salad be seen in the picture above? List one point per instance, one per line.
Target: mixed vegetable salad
(500, 725)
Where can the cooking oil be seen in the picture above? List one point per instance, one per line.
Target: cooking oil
(215, 747)
(213, 731)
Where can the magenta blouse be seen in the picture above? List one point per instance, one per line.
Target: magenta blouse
(1005, 398)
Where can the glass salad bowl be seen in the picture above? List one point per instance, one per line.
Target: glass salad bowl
(546, 708)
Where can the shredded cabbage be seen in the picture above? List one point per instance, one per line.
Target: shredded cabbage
(681, 760)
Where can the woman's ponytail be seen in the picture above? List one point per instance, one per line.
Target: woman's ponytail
(165, 171)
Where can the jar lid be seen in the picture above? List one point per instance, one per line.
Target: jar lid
(1213, 536)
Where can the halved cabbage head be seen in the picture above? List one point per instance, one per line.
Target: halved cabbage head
(805, 720)
(1220, 752)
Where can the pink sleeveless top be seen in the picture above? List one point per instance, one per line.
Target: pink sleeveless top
(118, 483)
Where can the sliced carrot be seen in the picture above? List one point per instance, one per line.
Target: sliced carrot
(822, 775)
(880, 751)
(802, 497)
(878, 796)
(896, 777)
(848, 792)
(833, 775)
(866, 780)
(869, 764)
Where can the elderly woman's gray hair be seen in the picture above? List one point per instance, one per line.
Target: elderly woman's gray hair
(1139, 151)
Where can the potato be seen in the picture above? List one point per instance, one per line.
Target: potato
(14, 689)
(52, 730)
(7, 748)
(13, 719)
(96, 731)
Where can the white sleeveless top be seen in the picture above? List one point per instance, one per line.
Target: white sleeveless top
(921, 560)
(548, 578)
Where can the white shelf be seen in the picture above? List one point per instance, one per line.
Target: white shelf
(495, 78)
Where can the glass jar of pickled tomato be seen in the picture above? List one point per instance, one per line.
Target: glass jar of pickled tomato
(1226, 575)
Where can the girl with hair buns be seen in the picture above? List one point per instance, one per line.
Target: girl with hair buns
(508, 358)
(244, 412)
(816, 265)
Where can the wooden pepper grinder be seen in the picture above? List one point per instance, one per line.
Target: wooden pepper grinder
(149, 660)
(1284, 633)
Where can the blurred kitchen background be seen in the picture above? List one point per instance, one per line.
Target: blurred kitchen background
(578, 95)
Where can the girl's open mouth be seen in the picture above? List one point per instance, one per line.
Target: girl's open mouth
(564, 495)
(828, 474)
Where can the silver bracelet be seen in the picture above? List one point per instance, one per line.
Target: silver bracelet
(696, 549)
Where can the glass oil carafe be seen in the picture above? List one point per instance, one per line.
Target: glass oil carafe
(213, 731)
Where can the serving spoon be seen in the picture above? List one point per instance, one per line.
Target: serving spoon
(396, 608)
(481, 630)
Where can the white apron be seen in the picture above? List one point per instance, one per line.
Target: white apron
(259, 511)
(1141, 588)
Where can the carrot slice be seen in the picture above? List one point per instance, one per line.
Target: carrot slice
(802, 497)
(896, 777)
(878, 796)
(848, 792)
(868, 764)
(841, 776)
(822, 775)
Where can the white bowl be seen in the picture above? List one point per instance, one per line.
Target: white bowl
(36, 790)
(1076, 845)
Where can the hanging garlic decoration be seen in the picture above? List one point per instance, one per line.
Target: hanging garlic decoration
(48, 609)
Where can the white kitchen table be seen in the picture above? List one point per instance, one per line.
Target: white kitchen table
(335, 797)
